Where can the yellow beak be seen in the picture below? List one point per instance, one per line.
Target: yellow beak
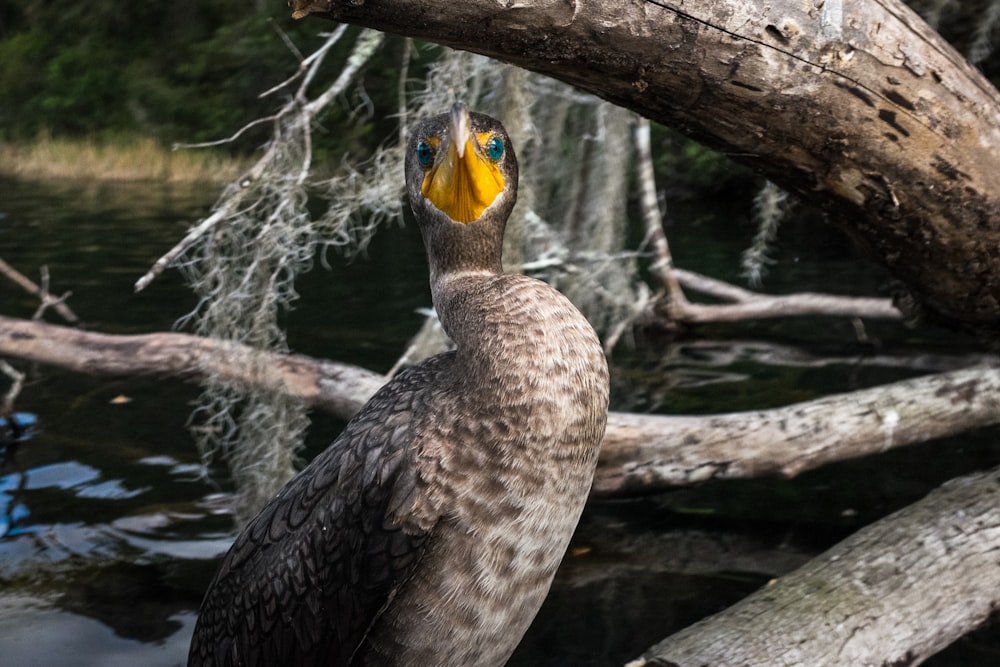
(463, 182)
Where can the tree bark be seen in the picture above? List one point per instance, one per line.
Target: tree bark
(640, 454)
(894, 593)
(860, 108)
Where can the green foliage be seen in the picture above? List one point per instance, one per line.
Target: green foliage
(177, 71)
(687, 168)
(21, 67)
(81, 89)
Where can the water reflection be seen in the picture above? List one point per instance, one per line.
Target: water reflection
(33, 632)
(109, 534)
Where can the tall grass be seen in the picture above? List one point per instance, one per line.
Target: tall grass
(116, 159)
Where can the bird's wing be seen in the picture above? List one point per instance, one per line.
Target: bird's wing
(308, 576)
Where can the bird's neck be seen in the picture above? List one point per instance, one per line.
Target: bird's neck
(455, 249)
(462, 299)
(473, 308)
(494, 318)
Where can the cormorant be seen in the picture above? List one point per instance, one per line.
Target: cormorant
(428, 533)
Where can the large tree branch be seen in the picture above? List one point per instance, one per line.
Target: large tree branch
(861, 109)
(641, 453)
(893, 593)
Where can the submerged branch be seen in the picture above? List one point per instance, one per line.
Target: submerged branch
(753, 305)
(641, 453)
(42, 292)
(16, 383)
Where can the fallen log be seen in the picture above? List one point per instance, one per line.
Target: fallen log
(894, 593)
(641, 453)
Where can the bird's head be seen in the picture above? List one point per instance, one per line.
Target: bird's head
(461, 168)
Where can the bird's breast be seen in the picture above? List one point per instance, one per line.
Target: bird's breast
(511, 449)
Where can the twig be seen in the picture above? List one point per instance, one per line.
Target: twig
(368, 42)
(404, 73)
(635, 311)
(546, 263)
(428, 341)
(287, 40)
(227, 140)
(47, 299)
(314, 60)
(41, 292)
(189, 240)
(713, 287)
(306, 63)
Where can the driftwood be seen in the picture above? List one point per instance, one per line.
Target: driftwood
(894, 593)
(859, 107)
(641, 453)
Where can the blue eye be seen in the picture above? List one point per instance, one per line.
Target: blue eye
(494, 148)
(425, 154)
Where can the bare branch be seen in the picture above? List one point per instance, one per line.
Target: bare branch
(368, 43)
(289, 44)
(748, 305)
(663, 264)
(316, 58)
(182, 246)
(752, 305)
(231, 138)
(340, 389)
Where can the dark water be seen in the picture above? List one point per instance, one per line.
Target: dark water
(108, 536)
